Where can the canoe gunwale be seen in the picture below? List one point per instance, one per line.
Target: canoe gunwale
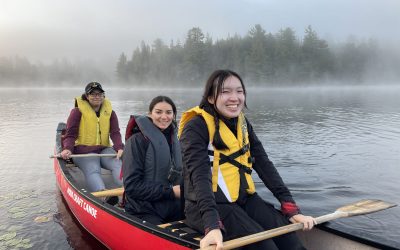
(116, 213)
(154, 229)
(327, 228)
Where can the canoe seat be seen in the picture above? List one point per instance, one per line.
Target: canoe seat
(80, 178)
(69, 163)
(183, 230)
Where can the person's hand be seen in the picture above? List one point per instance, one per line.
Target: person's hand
(307, 221)
(119, 154)
(65, 154)
(214, 237)
(177, 191)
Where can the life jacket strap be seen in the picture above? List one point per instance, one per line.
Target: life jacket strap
(236, 154)
(228, 158)
(242, 168)
(231, 159)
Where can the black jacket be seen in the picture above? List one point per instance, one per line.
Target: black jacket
(197, 175)
(143, 195)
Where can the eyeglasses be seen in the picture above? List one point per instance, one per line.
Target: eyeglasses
(96, 94)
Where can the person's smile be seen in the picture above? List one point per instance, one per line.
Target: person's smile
(230, 102)
(162, 115)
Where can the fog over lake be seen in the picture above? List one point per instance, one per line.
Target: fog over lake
(332, 146)
(91, 35)
(323, 83)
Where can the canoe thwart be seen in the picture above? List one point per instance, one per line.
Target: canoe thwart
(109, 192)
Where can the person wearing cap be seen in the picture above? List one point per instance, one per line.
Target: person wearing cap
(90, 126)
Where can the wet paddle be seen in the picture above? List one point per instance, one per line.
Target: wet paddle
(85, 155)
(357, 208)
(110, 192)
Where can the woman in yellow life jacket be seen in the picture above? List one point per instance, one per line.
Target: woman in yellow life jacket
(89, 127)
(220, 151)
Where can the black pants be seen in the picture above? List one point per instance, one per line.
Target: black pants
(251, 216)
(158, 212)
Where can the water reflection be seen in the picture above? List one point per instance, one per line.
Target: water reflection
(77, 236)
(331, 147)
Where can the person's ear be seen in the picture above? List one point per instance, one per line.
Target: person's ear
(210, 99)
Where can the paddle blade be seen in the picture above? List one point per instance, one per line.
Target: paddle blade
(365, 207)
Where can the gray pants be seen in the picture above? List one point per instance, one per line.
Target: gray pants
(91, 168)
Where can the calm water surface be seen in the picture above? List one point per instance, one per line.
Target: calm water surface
(332, 146)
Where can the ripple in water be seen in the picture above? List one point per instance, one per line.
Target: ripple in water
(331, 148)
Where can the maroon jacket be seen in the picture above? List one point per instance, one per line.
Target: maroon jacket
(72, 132)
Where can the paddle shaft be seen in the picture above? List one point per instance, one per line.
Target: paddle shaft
(85, 155)
(110, 192)
(250, 239)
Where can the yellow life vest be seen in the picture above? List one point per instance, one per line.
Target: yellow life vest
(94, 130)
(226, 163)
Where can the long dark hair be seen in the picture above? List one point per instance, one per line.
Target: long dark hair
(162, 98)
(213, 89)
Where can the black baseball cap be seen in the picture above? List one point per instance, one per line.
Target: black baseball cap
(92, 86)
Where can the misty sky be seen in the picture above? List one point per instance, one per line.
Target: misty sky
(102, 29)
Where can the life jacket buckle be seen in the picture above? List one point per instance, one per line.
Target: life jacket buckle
(251, 160)
(174, 174)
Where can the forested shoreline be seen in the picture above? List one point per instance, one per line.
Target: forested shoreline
(262, 58)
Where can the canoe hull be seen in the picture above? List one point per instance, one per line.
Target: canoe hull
(317, 239)
(110, 230)
(116, 229)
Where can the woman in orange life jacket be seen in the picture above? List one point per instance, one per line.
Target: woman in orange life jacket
(152, 165)
(222, 202)
(90, 126)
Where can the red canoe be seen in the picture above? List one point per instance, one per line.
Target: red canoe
(118, 230)
(110, 224)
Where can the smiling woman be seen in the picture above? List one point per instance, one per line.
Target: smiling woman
(95, 99)
(217, 134)
(89, 128)
(163, 113)
(232, 100)
(152, 165)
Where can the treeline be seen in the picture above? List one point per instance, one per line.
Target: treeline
(18, 70)
(261, 58)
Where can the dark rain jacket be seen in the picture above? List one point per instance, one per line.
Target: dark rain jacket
(146, 165)
(197, 175)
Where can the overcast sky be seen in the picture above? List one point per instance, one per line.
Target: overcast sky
(103, 29)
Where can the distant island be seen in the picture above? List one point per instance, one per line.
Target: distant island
(262, 58)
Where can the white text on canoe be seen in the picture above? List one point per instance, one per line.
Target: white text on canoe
(89, 209)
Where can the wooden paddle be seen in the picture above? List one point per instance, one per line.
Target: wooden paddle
(85, 155)
(110, 192)
(358, 208)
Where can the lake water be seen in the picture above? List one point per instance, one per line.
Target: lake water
(332, 146)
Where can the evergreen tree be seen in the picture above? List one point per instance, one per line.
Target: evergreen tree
(259, 57)
(194, 55)
(316, 58)
(256, 62)
(122, 68)
(287, 57)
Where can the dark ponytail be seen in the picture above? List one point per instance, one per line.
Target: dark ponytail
(217, 142)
